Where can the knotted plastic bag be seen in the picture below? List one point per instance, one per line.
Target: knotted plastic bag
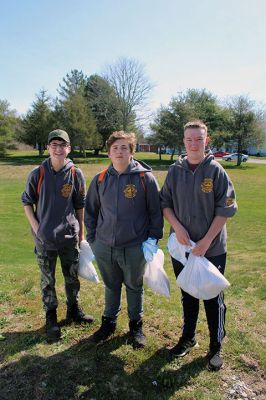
(201, 279)
(155, 276)
(86, 268)
(177, 250)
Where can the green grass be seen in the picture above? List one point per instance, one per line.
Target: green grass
(72, 368)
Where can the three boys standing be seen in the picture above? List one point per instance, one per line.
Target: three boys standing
(124, 223)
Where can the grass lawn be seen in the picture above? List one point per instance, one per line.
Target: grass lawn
(73, 369)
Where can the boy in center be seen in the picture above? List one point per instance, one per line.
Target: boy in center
(124, 221)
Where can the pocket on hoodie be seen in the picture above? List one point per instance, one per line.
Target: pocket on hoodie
(126, 233)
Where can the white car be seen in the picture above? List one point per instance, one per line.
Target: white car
(234, 156)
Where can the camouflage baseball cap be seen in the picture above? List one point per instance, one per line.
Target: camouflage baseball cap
(58, 134)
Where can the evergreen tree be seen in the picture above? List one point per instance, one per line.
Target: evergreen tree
(104, 105)
(37, 123)
(9, 123)
(80, 123)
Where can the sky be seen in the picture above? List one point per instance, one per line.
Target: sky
(216, 45)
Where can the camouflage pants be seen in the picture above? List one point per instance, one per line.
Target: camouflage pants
(69, 258)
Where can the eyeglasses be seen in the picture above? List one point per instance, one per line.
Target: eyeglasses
(60, 145)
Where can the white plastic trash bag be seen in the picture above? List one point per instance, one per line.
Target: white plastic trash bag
(86, 269)
(155, 276)
(177, 250)
(201, 279)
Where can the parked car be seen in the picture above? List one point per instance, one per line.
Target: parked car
(220, 153)
(234, 156)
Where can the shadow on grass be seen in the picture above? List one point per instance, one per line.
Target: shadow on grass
(243, 166)
(86, 371)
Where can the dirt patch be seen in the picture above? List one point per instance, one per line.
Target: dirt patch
(249, 385)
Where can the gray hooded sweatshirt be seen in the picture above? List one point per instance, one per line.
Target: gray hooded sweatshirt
(197, 197)
(122, 210)
(60, 195)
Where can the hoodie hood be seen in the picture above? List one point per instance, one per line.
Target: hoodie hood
(134, 167)
(68, 165)
(183, 162)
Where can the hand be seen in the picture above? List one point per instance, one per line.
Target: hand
(149, 248)
(35, 227)
(81, 238)
(182, 235)
(201, 247)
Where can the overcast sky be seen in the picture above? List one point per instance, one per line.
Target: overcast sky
(217, 45)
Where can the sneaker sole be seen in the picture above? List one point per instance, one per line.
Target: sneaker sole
(196, 345)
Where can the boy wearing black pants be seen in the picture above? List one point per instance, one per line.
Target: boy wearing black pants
(197, 198)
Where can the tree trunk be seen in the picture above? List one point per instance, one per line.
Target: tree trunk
(159, 152)
(96, 152)
(172, 155)
(239, 152)
(41, 150)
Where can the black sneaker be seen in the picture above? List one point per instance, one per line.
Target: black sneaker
(215, 361)
(106, 329)
(137, 336)
(76, 314)
(183, 347)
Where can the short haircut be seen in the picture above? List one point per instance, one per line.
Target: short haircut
(195, 124)
(129, 137)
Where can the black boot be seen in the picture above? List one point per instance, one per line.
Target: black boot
(136, 333)
(106, 329)
(215, 361)
(53, 331)
(76, 314)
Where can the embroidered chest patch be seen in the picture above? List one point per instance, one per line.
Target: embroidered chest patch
(130, 191)
(207, 185)
(66, 190)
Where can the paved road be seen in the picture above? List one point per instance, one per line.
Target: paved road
(256, 161)
(251, 160)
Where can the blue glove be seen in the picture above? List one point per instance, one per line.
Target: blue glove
(149, 248)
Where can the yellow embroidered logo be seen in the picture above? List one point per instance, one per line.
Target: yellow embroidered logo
(130, 191)
(207, 185)
(229, 201)
(66, 190)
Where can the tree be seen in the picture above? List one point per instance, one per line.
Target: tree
(170, 121)
(190, 104)
(73, 82)
(73, 110)
(168, 128)
(104, 105)
(132, 87)
(80, 122)
(8, 125)
(205, 106)
(37, 122)
(245, 121)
